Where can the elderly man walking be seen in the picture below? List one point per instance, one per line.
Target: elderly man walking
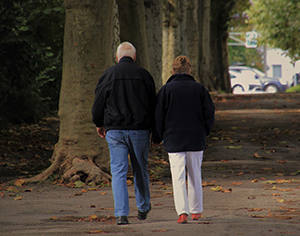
(123, 113)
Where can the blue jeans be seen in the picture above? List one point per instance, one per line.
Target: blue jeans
(136, 143)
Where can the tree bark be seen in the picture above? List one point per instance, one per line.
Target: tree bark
(88, 48)
(133, 28)
(219, 50)
(153, 11)
(205, 69)
(192, 36)
(171, 36)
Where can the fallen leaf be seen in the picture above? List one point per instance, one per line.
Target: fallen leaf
(254, 181)
(28, 190)
(100, 231)
(256, 209)
(18, 198)
(227, 190)
(19, 182)
(233, 147)
(205, 184)
(11, 189)
(257, 155)
(217, 188)
(266, 168)
(159, 230)
(93, 217)
(237, 183)
(281, 162)
(78, 184)
(205, 222)
(251, 197)
(269, 182)
(296, 173)
(92, 189)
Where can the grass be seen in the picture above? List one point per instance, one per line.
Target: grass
(294, 89)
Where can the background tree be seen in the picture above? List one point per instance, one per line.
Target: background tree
(31, 59)
(133, 28)
(278, 24)
(153, 14)
(239, 23)
(90, 41)
(88, 51)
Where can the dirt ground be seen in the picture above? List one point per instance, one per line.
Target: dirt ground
(254, 135)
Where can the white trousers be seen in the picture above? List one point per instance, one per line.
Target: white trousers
(187, 200)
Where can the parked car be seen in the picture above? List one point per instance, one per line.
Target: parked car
(241, 83)
(269, 84)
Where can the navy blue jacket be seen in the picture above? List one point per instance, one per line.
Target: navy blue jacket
(184, 114)
(125, 98)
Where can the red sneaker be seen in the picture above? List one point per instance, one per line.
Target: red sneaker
(196, 216)
(182, 219)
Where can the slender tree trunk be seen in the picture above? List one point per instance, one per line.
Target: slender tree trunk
(219, 49)
(153, 10)
(205, 70)
(192, 36)
(88, 49)
(171, 35)
(133, 28)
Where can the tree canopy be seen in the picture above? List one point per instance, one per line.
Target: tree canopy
(278, 23)
(31, 58)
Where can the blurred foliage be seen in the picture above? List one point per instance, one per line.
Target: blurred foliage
(240, 55)
(31, 46)
(278, 23)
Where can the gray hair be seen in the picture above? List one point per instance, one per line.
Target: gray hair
(126, 49)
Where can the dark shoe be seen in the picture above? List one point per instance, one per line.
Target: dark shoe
(122, 220)
(143, 215)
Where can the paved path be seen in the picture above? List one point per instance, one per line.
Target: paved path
(251, 185)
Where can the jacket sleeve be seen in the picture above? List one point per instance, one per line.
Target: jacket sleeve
(152, 100)
(98, 108)
(160, 114)
(208, 111)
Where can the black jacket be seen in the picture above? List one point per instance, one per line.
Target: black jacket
(125, 98)
(184, 114)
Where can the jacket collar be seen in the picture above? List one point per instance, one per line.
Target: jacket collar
(180, 77)
(126, 59)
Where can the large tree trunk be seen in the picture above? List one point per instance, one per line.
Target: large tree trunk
(88, 49)
(153, 10)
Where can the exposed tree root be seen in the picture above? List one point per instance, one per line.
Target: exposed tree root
(72, 169)
(86, 171)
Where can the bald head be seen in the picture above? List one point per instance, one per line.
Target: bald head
(126, 49)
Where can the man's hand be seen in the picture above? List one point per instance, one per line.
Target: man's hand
(101, 132)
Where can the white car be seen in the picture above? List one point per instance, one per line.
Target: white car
(245, 82)
(254, 77)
